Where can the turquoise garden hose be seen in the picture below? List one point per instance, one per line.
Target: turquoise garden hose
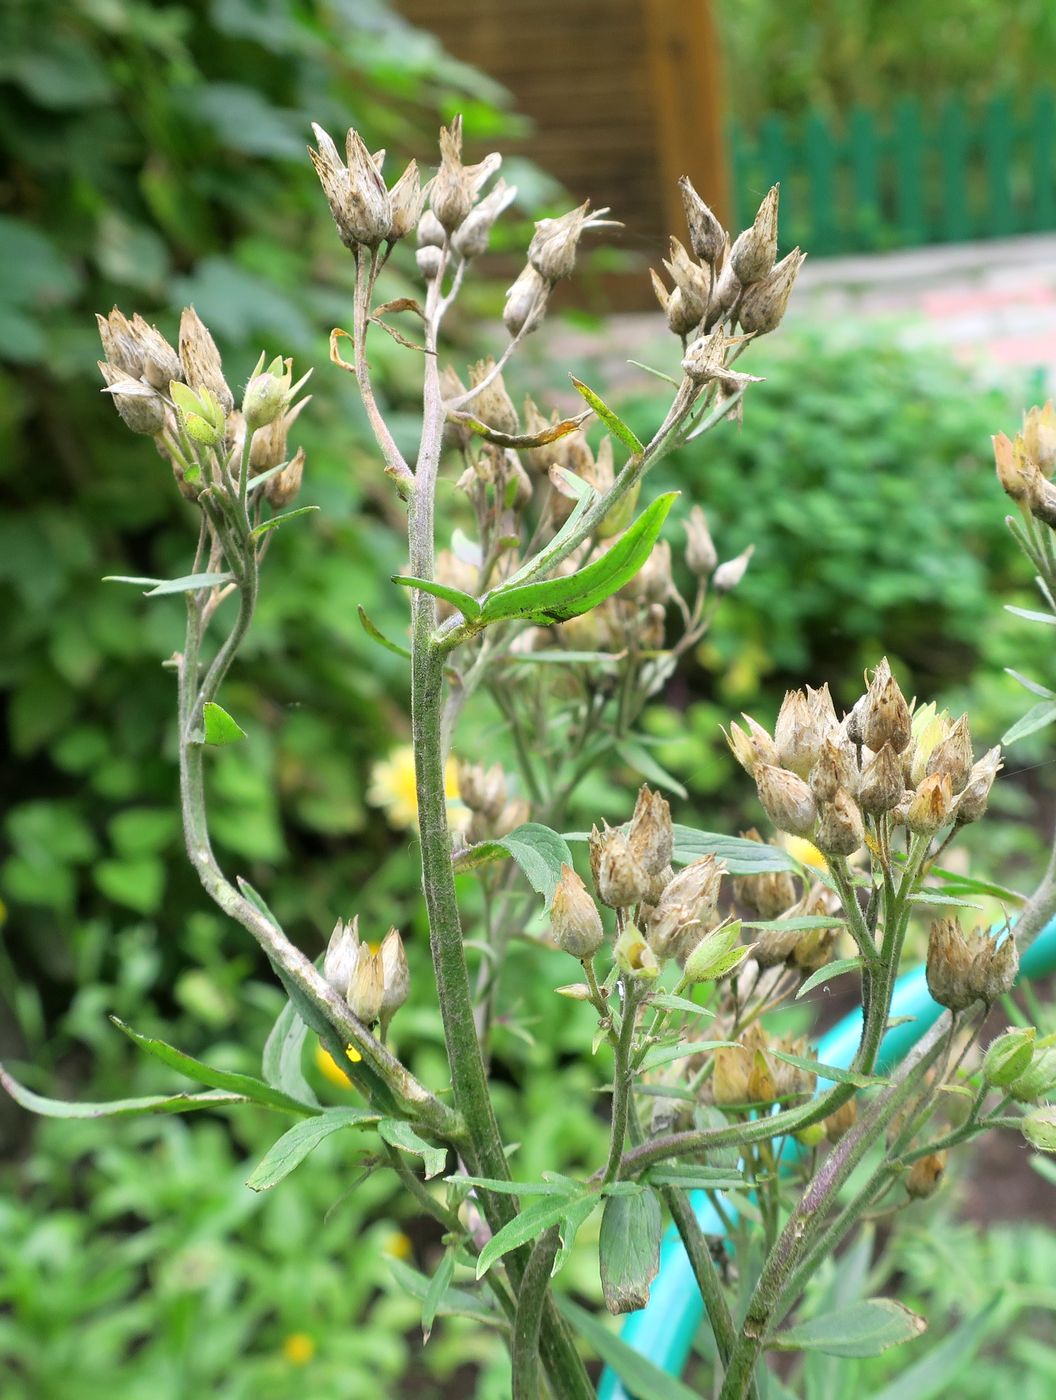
(664, 1329)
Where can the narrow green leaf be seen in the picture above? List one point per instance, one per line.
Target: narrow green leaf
(561, 1187)
(827, 973)
(551, 433)
(220, 728)
(664, 1054)
(629, 1250)
(569, 1228)
(292, 1148)
(558, 599)
(438, 1286)
(1048, 618)
(670, 1002)
(1037, 717)
(529, 1224)
(695, 1178)
(1034, 687)
(398, 1133)
(375, 632)
(245, 1084)
(864, 1329)
(612, 421)
(538, 850)
(968, 884)
(456, 1302)
(115, 1108)
(935, 1374)
(941, 897)
(189, 583)
(642, 1378)
(641, 760)
(467, 606)
(656, 373)
(277, 520)
(739, 856)
(283, 1049)
(832, 1072)
(788, 925)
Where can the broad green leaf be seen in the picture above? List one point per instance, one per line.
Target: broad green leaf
(832, 1072)
(1037, 717)
(438, 1286)
(292, 1148)
(560, 1187)
(115, 1108)
(670, 1002)
(526, 1226)
(281, 1061)
(190, 583)
(467, 606)
(220, 728)
(277, 520)
(689, 1178)
(864, 1329)
(245, 1084)
(629, 1250)
(612, 421)
(558, 599)
(539, 851)
(375, 632)
(641, 760)
(456, 1302)
(642, 1378)
(934, 1375)
(398, 1133)
(739, 856)
(827, 973)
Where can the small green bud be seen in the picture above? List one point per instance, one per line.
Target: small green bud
(267, 393)
(1008, 1056)
(1039, 1128)
(634, 957)
(716, 954)
(201, 414)
(1037, 1081)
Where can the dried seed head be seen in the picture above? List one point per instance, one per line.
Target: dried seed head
(966, 967)
(755, 250)
(786, 799)
(340, 957)
(728, 575)
(691, 281)
(881, 786)
(753, 747)
(355, 191)
(730, 1076)
(406, 202)
(701, 555)
(492, 404)
(1008, 1056)
(924, 1176)
(885, 716)
(161, 364)
(707, 237)
(973, 800)
(763, 306)
(366, 985)
(651, 834)
(471, 237)
(620, 879)
(766, 895)
(284, 487)
(1039, 437)
(552, 251)
(953, 756)
(840, 829)
(932, 805)
(201, 359)
(396, 975)
(141, 408)
(797, 734)
(455, 186)
(574, 917)
(526, 302)
(836, 767)
(483, 789)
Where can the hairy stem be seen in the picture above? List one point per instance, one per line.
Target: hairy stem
(529, 1317)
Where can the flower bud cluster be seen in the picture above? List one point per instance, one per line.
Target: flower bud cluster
(551, 257)
(365, 212)
(373, 981)
(1025, 464)
(821, 777)
(494, 811)
(748, 1074)
(963, 968)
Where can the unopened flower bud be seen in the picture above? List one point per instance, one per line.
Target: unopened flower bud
(885, 717)
(973, 800)
(932, 805)
(1039, 1128)
(728, 575)
(396, 975)
(1037, 1081)
(786, 799)
(764, 303)
(701, 555)
(574, 917)
(881, 786)
(340, 957)
(925, 1174)
(953, 756)
(755, 250)
(706, 235)
(651, 834)
(634, 957)
(840, 829)
(267, 393)
(365, 994)
(716, 953)
(575, 991)
(201, 415)
(526, 302)
(1008, 1056)
(621, 881)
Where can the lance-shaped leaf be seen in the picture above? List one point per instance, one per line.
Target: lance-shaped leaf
(277, 520)
(283, 1051)
(374, 631)
(612, 421)
(455, 1302)
(245, 1084)
(549, 434)
(1037, 717)
(740, 857)
(189, 583)
(528, 1225)
(864, 1329)
(629, 1250)
(558, 599)
(467, 606)
(539, 851)
(398, 1133)
(827, 973)
(115, 1108)
(830, 1072)
(291, 1149)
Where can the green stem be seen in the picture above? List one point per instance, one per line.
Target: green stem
(622, 1082)
(531, 1298)
(704, 1270)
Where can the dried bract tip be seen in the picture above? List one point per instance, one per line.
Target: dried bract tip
(707, 237)
(755, 250)
(973, 800)
(764, 303)
(355, 192)
(200, 358)
(651, 834)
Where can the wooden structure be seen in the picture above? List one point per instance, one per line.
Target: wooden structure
(623, 96)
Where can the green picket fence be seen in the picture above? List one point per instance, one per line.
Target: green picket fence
(941, 174)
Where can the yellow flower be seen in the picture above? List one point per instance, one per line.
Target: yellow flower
(805, 852)
(392, 787)
(398, 1245)
(330, 1069)
(298, 1348)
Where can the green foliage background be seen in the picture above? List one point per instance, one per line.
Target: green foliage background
(154, 157)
